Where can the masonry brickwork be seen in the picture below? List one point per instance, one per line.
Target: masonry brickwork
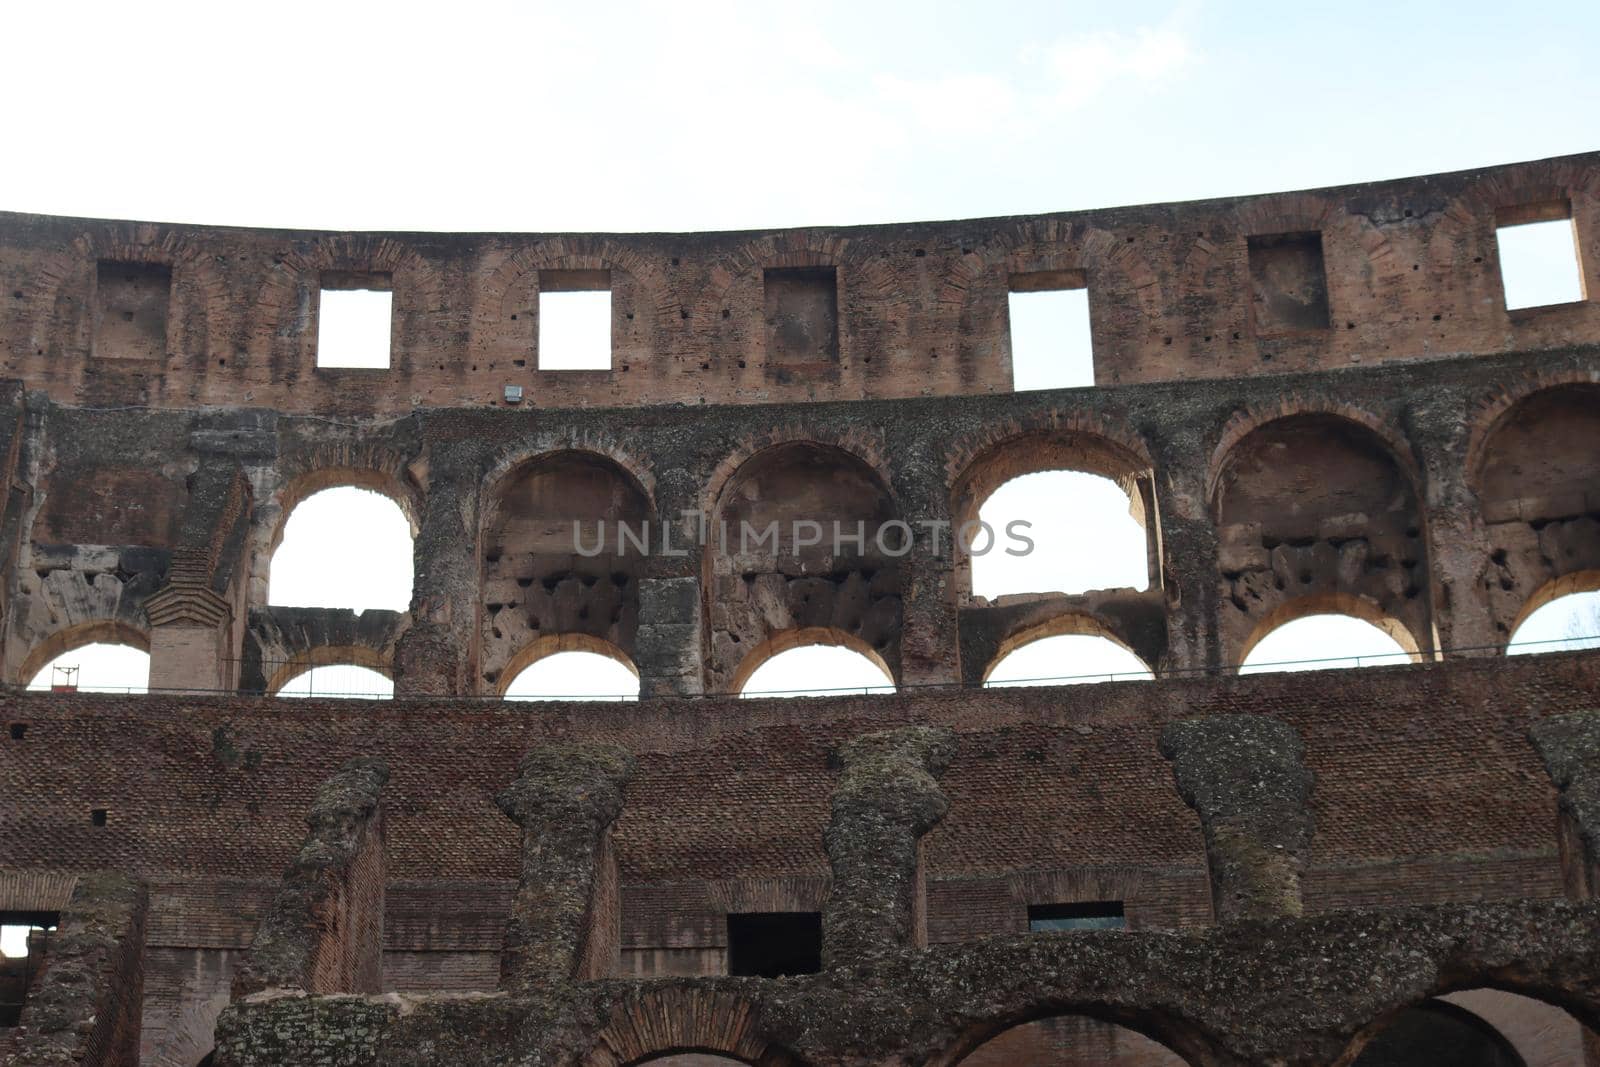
(1314, 402)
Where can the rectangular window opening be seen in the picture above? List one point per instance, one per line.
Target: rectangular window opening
(801, 309)
(24, 936)
(130, 313)
(773, 944)
(1052, 345)
(1538, 255)
(1079, 915)
(574, 320)
(354, 321)
(1288, 283)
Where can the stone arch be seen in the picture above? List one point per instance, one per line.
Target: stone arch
(1527, 1023)
(1584, 581)
(1537, 478)
(647, 1024)
(330, 656)
(541, 519)
(758, 588)
(98, 631)
(551, 644)
(1156, 1040)
(1333, 602)
(804, 637)
(1069, 624)
(1316, 506)
(979, 466)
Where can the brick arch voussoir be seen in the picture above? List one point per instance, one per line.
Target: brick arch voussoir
(659, 1022)
(569, 253)
(277, 295)
(506, 462)
(1246, 421)
(857, 443)
(975, 447)
(63, 272)
(1491, 411)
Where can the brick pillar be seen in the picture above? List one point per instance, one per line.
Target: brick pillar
(1570, 747)
(88, 1005)
(886, 798)
(564, 921)
(191, 630)
(324, 931)
(437, 655)
(1245, 776)
(668, 650)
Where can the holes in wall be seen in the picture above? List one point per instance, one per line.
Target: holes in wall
(1288, 283)
(98, 667)
(775, 943)
(99, 817)
(574, 320)
(1067, 659)
(1078, 915)
(339, 680)
(343, 547)
(18, 731)
(801, 309)
(130, 310)
(354, 326)
(1538, 255)
(1323, 642)
(1052, 344)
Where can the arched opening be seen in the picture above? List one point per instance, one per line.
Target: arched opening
(1071, 1041)
(1050, 513)
(99, 657)
(1479, 1027)
(1317, 508)
(690, 1059)
(1538, 481)
(1327, 632)
(564, 544)
(338, 680)
(1066, 651)
(804, 537)
(1564, 616)
(343, 547)
(571, 667)
(813, 662)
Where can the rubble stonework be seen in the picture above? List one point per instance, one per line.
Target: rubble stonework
(1313, 402)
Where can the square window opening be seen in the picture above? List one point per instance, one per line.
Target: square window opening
(354, 321)
(1052, 343)
(773, 944)
(1538, 255)
(575, 320)
(1288, 283)
(1079, 915)
(99, 816)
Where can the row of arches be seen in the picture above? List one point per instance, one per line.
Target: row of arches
(1315, 513)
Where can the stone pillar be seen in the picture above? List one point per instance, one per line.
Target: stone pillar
(190, 631)
(1570, 747)
(324, 930)
(87, 1007)
(1246, 777)
(437, 655)
(887, 797)
(668, 651)
(564, 922)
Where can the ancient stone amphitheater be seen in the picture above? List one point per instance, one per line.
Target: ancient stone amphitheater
(1315, 401)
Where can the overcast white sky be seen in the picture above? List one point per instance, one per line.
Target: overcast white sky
(696, 116)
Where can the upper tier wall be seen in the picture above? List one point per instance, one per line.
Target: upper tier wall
(114, 313)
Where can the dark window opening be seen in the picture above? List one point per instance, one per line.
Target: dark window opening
(802, 315)
(98, 816)
(1288, 282)
(19, 730)
(772, 944)
(1079, 915)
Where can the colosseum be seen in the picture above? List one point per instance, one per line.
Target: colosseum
(1315, 402)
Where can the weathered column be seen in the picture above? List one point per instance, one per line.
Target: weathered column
(564, 921)
(192, 632)
(669, 654)
(1246, 777)
(324, 930)
(887, 797)
(437, 655)
(87, 1007)
(1570, 747)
